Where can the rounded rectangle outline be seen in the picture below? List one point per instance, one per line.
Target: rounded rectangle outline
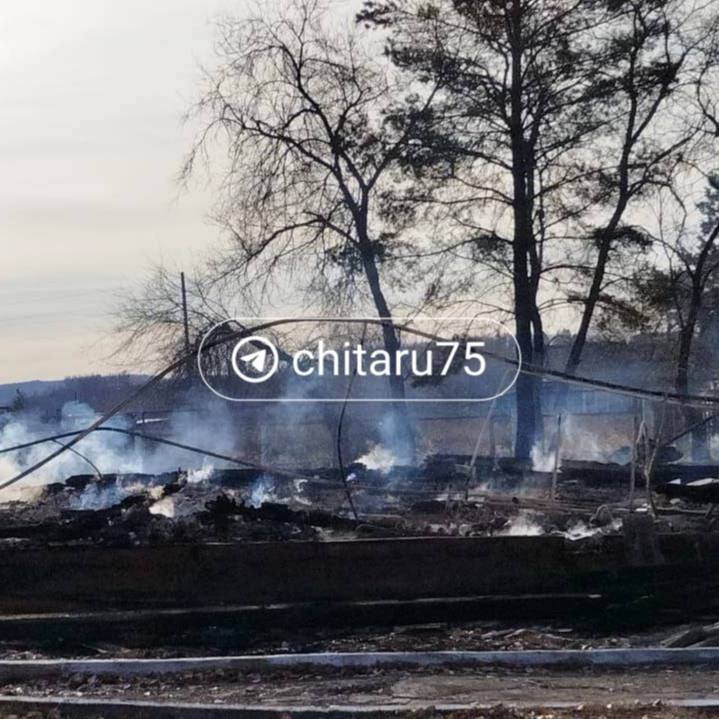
(373, 400)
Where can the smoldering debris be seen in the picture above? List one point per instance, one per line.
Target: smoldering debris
(249, 505)
(437, 497)
(85, 499)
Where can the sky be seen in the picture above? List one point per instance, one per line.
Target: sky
(91, 141)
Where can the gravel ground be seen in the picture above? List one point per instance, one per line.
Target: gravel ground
(474, 636)
(397, 687)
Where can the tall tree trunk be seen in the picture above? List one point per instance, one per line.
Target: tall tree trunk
(590, 304)
(692, 415)
(600, 269)
(609, 230)
(391, 342)
(525, 310)
(539, 358)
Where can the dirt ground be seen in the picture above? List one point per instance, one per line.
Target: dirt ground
(607, 691)
(638, 692)
(438, 636)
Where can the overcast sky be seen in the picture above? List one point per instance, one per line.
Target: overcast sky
(91, 139)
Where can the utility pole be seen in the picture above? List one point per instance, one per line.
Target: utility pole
(186, 323)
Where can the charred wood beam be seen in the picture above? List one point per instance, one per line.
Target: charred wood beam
(224, 506)
(704, 492)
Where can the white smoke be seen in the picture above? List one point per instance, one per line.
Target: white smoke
(109, 452)
(582, 530)
(164, 507)
(96, 496)
(576, 443)
(203, 474)
(521, 525)
(379, 458)
(542, 461)
(524, 524)
(263, 490)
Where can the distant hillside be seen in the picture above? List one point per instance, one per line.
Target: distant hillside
(30, 388)
(50, 395)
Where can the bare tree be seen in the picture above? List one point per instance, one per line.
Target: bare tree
(680, 291)
(150, 321)
(519, 101)
(661, 55)
(551, 115)
(304, 118)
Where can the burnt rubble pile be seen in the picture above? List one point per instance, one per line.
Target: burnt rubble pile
(445, 495)
(250, 505)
